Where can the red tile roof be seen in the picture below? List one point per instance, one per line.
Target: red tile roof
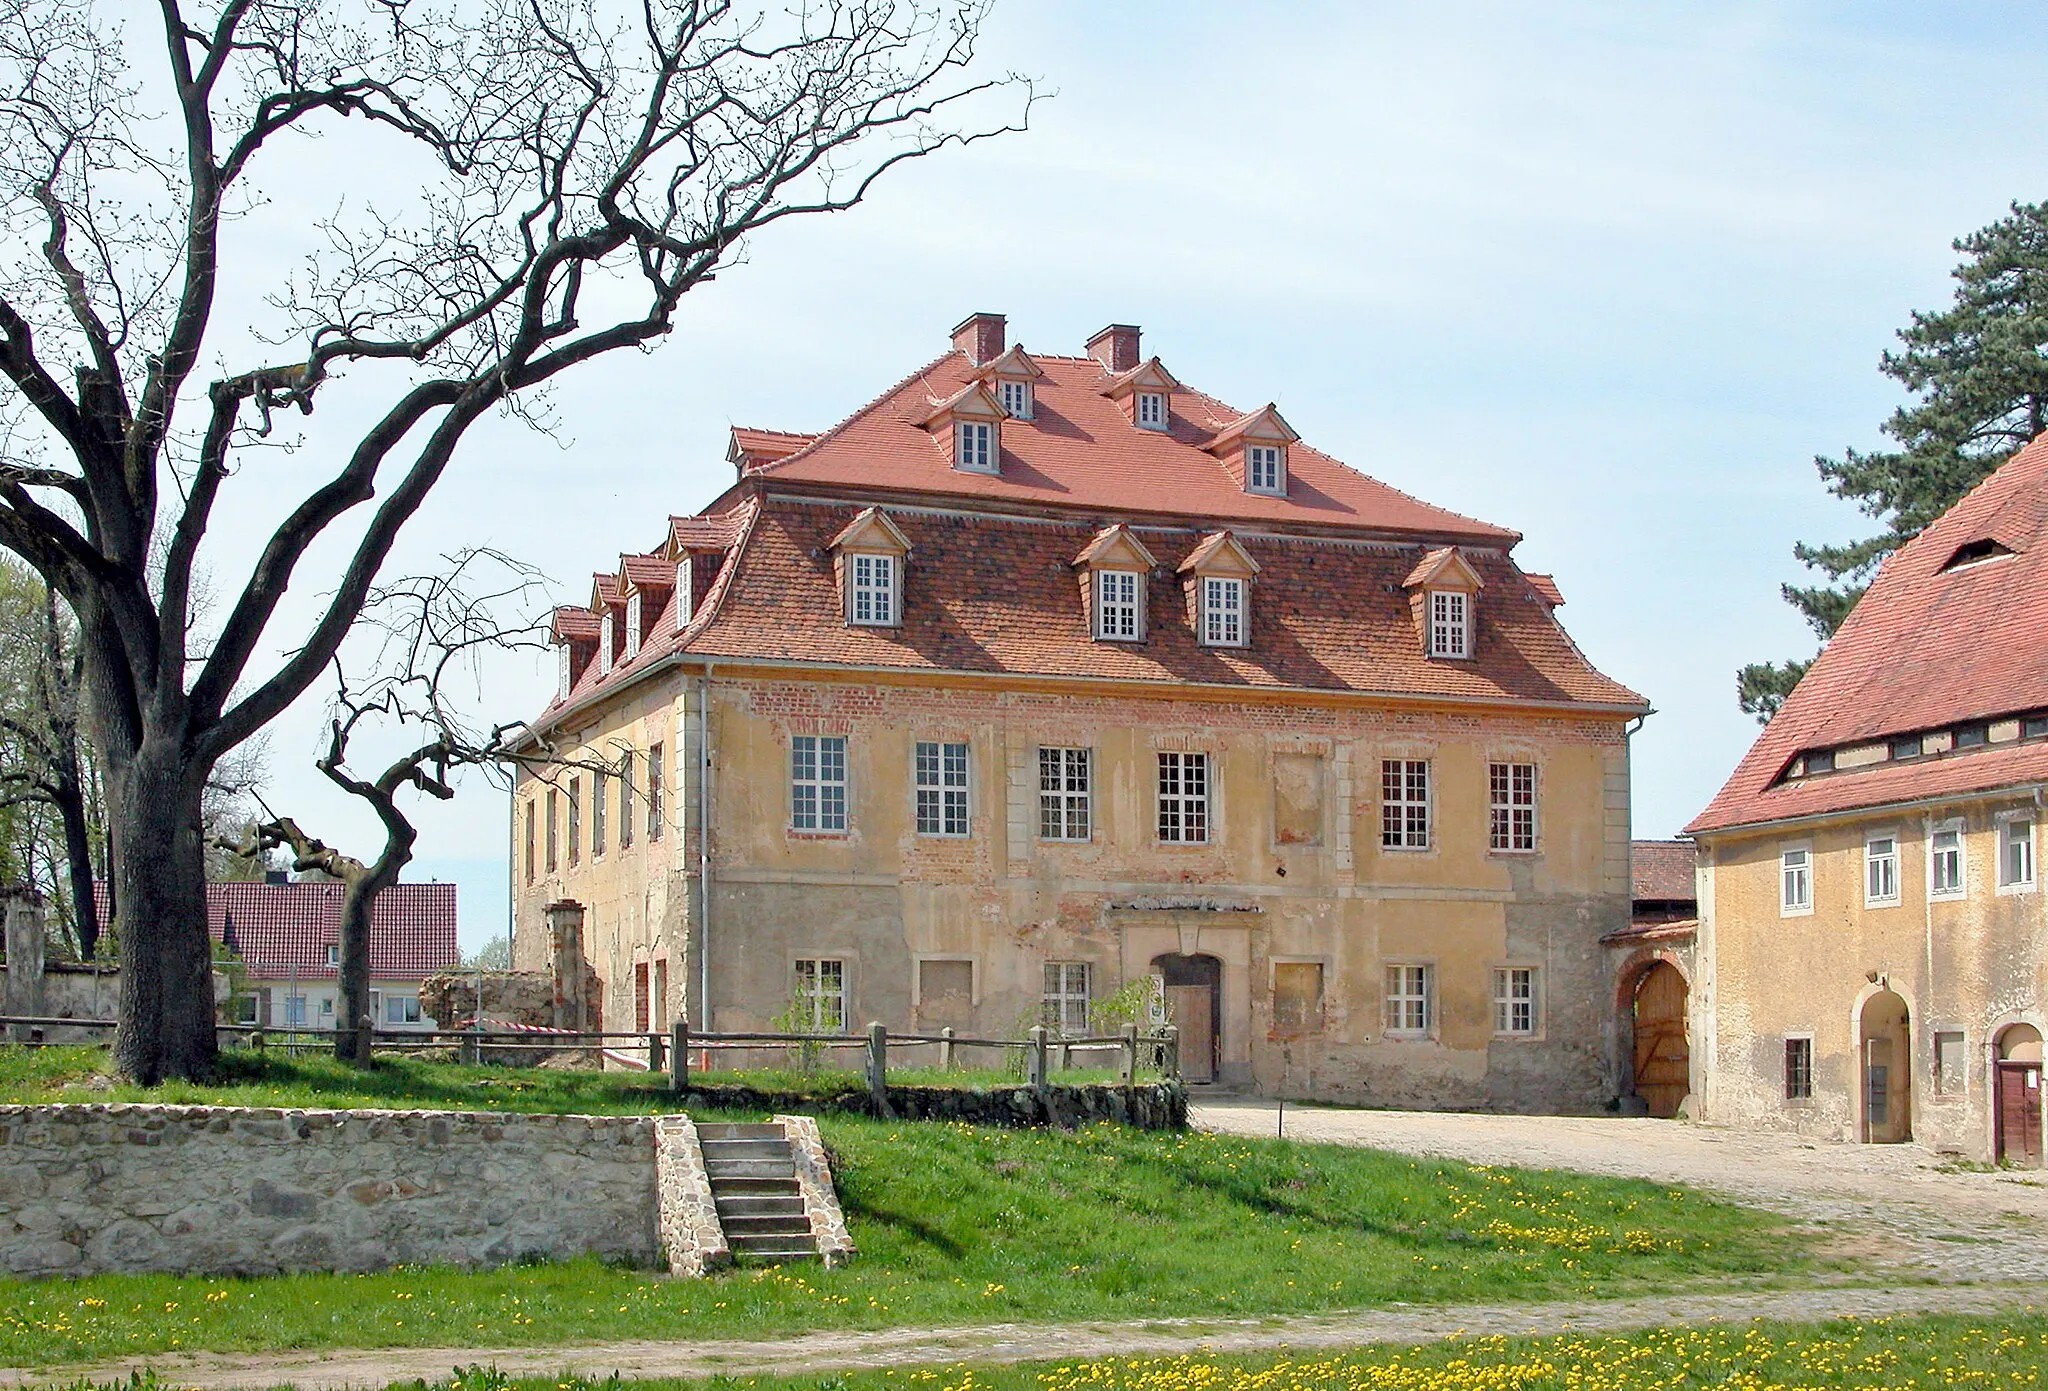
(1079, 450)
(278, 926)
(1661, 870)
(1927, 647)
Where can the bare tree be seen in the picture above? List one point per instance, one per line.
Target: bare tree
(596, 159)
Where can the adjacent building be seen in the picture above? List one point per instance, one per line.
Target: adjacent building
(1873, 944)
(288, 938)
(1040, 675)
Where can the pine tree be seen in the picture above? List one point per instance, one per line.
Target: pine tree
(1978, 371)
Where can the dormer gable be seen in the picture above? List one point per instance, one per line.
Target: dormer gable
(968, 427)
(1146, 394)
(1217, 576)
(646, 582)
(868, 558)
(610, 607)
(1443, 596)
(1253, 450)
(574, 632)
(1220, 553)
(697, 549)
(752, 450)
(1013, 378)
(1115, 548)
(1115, 567)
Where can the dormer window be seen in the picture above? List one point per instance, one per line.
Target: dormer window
(604, 645)
(1265, 468)
(1450, 623)
(869, 557)
(1016, 399)
(1222, 612)
(874, 590)
(1119, 598)
(563, 671)
(633, 625)
(1152, 410)
(975, 446)
(686, 595)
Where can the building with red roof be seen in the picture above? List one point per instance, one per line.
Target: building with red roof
(1871, 943)
(1042, 674)
(288, 937)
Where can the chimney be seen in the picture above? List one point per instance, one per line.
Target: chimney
(980, 336)
(1116, 347)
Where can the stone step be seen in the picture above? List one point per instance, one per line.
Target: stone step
(745, 1149)
(777, 1247)
(776, 1187)
(780, 1224)
(735, 1131)
(719, 1170)
(764, 1205)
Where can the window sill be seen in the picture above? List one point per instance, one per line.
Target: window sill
(1960, 896)
(1531, 853)
(1406, 849)
(1406, 1036)
(1518, 1038)
(1805, 912)
(795, 834)
(2014, 890)
(1063, 840)
(1133, 642)
(858, 623)
(945, 835)
(1881, 902)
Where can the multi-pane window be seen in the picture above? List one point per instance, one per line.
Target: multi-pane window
(817, 782)
(529, 839)
(1016, 398)
(1116, 604)
(1795, 880)
(686, 594)
(563, 670)
(554, 819)
(654, 792)
(1798, 1069)
(1881, 869)
(1945, 862)
(1184, 798)
(598, 791)
(575, 821)
(941, 789)
(1450, 623)
(1066, 997)
(1511, 805)
(820, 995)
(1063, 793)
(605, 636)
(1404, 804)
(626, 800)
(1152, 410)
(401, 1009)
(1262, 468)
(975, 441)
(2016, 853)
(873, 590)
(633, 612)
(1222, 611)
(1408, 999)
(1514, 1000)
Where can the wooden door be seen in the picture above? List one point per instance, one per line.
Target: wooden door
(1192, 1008)
(1663, 1065)
(2019, 1113)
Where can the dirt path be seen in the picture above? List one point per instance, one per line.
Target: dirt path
(820, 1352)
(1901, 1209)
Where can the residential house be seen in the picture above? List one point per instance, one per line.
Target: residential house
(1042, 674)
(288, 937)
(1873, 948)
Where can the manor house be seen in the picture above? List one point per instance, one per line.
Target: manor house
(1042, 674)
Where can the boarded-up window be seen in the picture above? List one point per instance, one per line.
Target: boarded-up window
(945, 993)
(1297, 997)
(1950, 1062)
(1297, 799)
(640, 997)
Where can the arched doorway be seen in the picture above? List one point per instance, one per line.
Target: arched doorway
(1194, 1005)
(1663, 1072)
(2016, 1095)
(1886, 1049)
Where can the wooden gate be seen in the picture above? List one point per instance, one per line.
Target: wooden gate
(1663, 1064)
(1192, 1010)
(2018, 1099)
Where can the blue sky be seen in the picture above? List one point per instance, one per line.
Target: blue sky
(1610, 274)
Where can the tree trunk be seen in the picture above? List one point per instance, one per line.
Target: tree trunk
(351, 1040)
(167, 1009)
(85, 911)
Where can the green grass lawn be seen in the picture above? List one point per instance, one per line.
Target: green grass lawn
(956, 1225)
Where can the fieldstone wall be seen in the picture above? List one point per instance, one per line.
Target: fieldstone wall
(821, 1197)
(225, 1190)
(691, 1237)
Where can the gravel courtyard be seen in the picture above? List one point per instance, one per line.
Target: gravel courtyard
(1897, 1207)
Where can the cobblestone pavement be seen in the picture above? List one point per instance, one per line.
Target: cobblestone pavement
(909, 1347)
(1900, 1208)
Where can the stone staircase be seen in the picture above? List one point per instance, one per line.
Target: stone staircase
(754, 1186)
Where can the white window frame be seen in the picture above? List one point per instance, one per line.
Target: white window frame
(562, 670)
(2010, 844)
(1119, 606)
(939, 777)
(402, 1009)
(1511, 807)
(1151, 412)
(1410, 1002)
(1881, 869)
(605, 643)
(633, 612)
(1183, 797)
(1405, 818)
(818, 991)
(977, 446)
(1064, 1005)
(1959, 856)
(872, 589)
(817, 783)
(294, 1010)
(1066, 786)
(1015, 397)
(1517, 1001)
(1265, 469)
(686, 593)
(334, 953)
(1795, 880)
(1226, 615)
(1450, 623)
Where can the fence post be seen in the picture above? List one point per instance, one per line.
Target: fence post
(256, 1040)
(1130, 1054)
(470, 1054)
(655, 1063)
(1036, 1062)
(1169, 1052)
(878, 1068)
(1066, 1056)
(946, 1048)
(679, 1057)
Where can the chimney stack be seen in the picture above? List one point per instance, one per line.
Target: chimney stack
(1116, 347)
(980, 336)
